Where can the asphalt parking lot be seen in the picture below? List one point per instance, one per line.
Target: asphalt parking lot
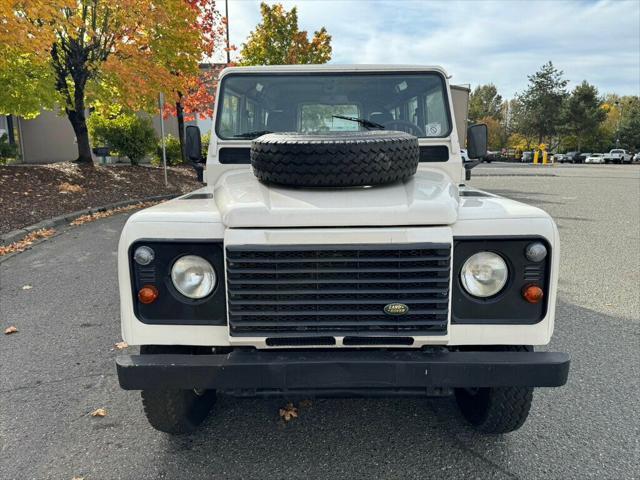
(60, 366)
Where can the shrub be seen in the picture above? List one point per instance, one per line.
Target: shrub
(172, 145)
(126, 134)
(206, 138)
(7, 150)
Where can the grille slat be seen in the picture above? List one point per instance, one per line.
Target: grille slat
(344, 259)
(339, 302)
(332, 281)
(327, 313)
(271, 271)
(307, 290)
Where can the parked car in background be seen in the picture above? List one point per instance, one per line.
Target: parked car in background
(573, 157)
(636, 157)
(558, 157)
(595, 158)
(617, 155)
(527, 157)
(491, 156)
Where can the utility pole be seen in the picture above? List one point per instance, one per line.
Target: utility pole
(226, 12)
(618, 105)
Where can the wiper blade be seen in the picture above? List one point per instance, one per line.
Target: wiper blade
(257, 133)
(362, 121)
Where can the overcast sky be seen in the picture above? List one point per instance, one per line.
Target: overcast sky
(477, 41)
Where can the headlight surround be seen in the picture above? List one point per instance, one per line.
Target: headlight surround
(484, 274)
(193, 276)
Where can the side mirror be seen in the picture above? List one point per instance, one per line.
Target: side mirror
(477, 139)
(193, 144)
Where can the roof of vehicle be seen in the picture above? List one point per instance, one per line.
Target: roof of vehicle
(333, 68)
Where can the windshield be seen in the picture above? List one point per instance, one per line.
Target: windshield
(252, 105)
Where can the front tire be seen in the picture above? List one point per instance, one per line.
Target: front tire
(175, 411)
(496, 410)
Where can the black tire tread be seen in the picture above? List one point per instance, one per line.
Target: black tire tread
(497, 410)
(175, 411)
(336, 160)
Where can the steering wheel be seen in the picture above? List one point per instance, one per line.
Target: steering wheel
(405, 126)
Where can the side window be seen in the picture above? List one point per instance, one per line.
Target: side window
(436, 114)
(230, 115)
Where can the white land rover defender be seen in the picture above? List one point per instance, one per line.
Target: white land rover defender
(335, 251)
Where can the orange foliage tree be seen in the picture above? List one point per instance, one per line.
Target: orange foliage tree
(196, 95)
(105, 51)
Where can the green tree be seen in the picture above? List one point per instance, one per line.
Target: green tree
(583, 113)
(278, 41)
(485, 101)
(541, 104)
(26, 87)
(630, 123)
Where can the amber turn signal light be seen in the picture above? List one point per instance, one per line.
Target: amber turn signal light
(148, 294)
(532, 293)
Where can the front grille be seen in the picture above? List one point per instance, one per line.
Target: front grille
(309, 290)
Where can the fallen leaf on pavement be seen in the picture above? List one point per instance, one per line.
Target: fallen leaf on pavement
(10, 330)
(107, 213)
(121, 345)
(27, 287)
(99, 412)
(27, 241)
(77, 478)
(289, 412)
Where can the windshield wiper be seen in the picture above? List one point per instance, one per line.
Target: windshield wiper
(368, 124)
(257, 133)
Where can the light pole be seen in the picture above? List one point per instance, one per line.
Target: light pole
(619, 106)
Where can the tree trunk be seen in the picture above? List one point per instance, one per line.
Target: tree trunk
(180, 117)
(79, 121)
(79, 124)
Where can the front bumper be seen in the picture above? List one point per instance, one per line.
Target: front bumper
(257, 372)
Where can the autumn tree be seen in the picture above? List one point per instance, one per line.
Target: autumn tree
(97, 51)
(485, 101)
(196, 97)
(278, 41)
(541, 104)
(495, 133)
(583, 113)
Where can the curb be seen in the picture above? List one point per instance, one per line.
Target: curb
(18, 234)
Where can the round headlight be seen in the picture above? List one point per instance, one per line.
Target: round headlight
(193, 276)
(484, 274)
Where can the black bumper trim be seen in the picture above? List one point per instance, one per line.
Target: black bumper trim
(334, 369)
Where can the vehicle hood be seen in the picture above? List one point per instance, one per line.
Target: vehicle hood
(429, 198)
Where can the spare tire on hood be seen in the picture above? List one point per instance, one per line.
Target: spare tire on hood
(338, 159)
